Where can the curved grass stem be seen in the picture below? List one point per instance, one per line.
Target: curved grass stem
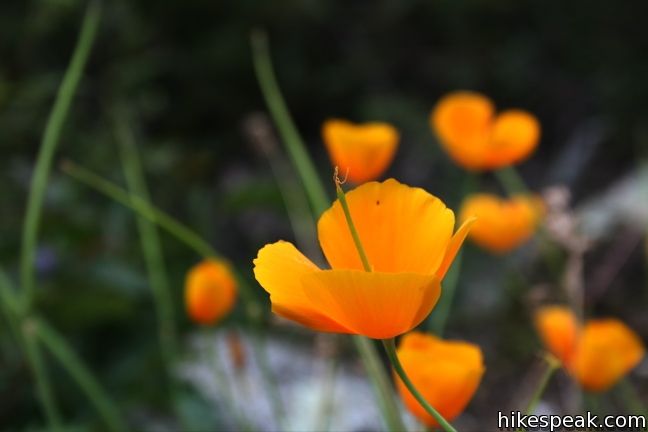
(49, 142)
(390, 348)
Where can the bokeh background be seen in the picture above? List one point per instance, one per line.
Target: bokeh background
(183, 71)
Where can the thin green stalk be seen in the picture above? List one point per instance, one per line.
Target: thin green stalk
(150, 243)
(319, 203)
(56, 344)
(511, 180)
(439, 318)
(388, 343)
(141, 207)
(283, 120)
(10, 304)
(552, 366)
(48, 146)
(225, 389)
(390, 348)
(631, 399)
(325, 405)
(352, 228)
(43, 385)
(184, 235)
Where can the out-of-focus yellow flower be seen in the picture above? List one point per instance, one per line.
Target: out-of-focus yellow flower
(364, 150)
(210, 291)
(502, 224)
(559, 331)
(598, 355)
(407, 236)
(606, 351)
(476, 138)
(447, 373)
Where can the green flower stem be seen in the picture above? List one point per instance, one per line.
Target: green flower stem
(190, 239)
(150, 243)
(43, 385)
(141, 207)
(390, 348)
(319, 203)
(272, 387)
(48, 146)
(55, 343)
(437, 321)
(511, 181)
(354, 233)
(285, 125)
(631, 399)
(552, 366)
(388, 343)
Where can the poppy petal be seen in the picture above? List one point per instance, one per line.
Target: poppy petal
(402, 229)
(376, 305)
(453, 247)
(279, 268)
(515, 135)
(364, 150)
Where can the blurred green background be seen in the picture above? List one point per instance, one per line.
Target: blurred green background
(183, 70)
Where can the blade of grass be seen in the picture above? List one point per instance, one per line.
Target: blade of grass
(150, 243)
(48, 146)
(190, 238)
(285, 125)
(437, 321)
(43, 385)
(319, 203)
(56, 344)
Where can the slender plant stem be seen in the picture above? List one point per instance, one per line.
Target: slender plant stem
(631, 399)
(283, 120)
(511, 180)
(184, 235)
(552, 366)
(319, 203)
(439, 318)
(56, 344)
(150, 242)
(390, 348)
(48, 146)
(141, 207)
(43, 385)
(10, 304)
(354, 232)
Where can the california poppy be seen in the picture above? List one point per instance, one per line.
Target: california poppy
(363, 150)
(447, 373)
(502, 224)
(210, 291)
(597, 355)
(478, 139)
(407, 236)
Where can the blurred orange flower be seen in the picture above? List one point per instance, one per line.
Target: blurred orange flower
(559, 331)
(407, 236)
(476, 138)
(365, 150)
(447, 373)
(210, 291)
(598, 355)
(502, 224)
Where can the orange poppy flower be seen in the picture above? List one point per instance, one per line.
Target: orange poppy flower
(407, 237)
(364, 150)
(559, 331)
(502, 224)
(210, 291)
(606, 351)
(447, 373)
(476, 138)
(598, 355)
